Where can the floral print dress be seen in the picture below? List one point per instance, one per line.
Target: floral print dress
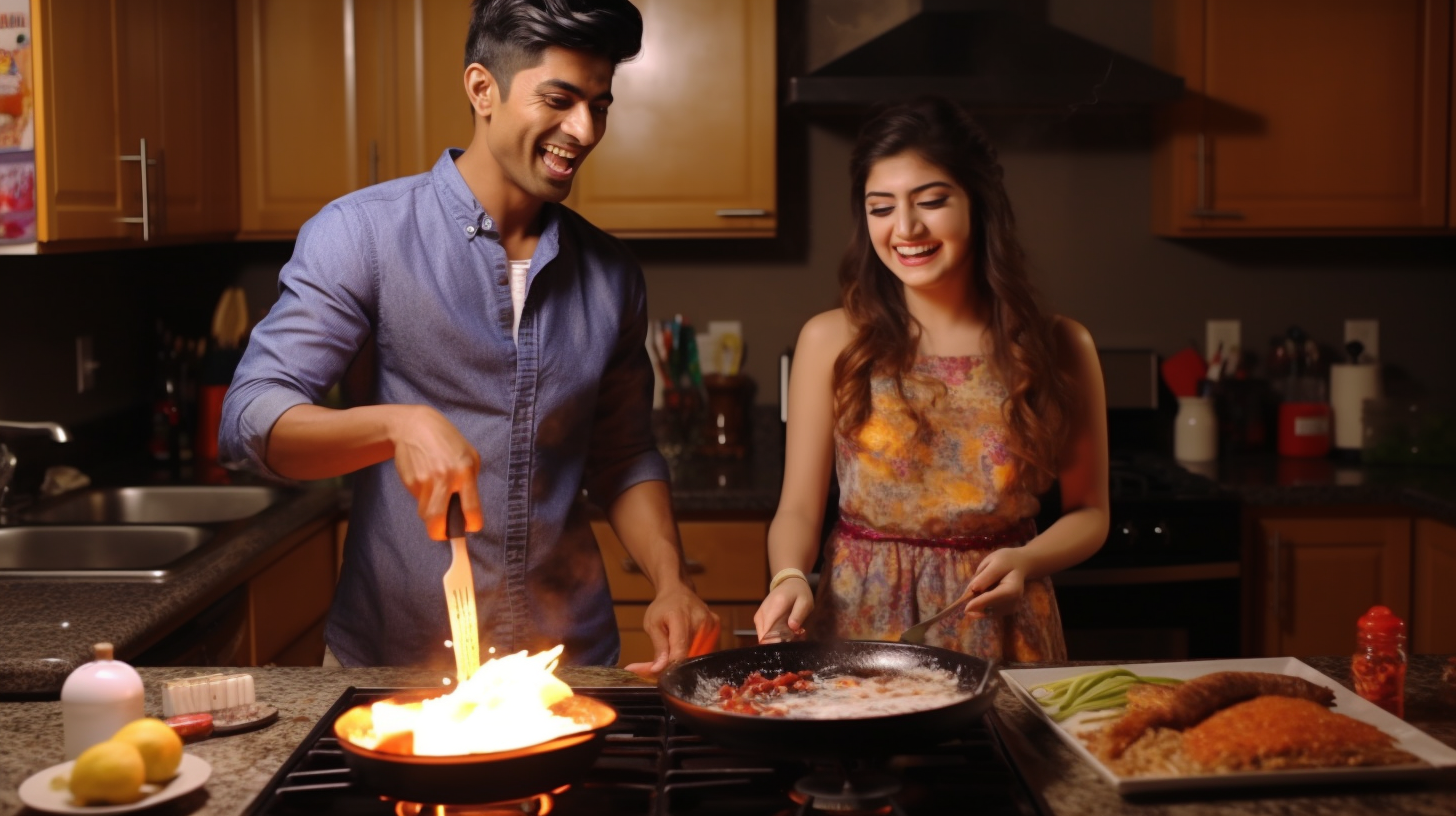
(918, 515)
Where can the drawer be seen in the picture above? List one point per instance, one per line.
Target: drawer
(727, 561)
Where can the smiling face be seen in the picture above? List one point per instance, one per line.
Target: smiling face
(552, 117)
(919, 221)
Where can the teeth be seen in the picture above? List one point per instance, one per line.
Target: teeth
(909, 251)
(558, 151)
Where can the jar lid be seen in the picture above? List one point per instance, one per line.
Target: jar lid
(1381, 621)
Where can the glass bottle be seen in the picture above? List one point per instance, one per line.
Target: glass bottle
(1378, 666)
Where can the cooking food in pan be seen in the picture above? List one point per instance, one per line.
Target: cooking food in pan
(1236, 721)
(840, 696)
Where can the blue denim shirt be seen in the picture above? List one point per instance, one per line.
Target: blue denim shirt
(415, 262)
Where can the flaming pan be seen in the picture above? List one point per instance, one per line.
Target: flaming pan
(393, 770)
(839, 738)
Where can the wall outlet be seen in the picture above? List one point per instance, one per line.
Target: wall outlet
(1229, 333)
(1368, 333)
(86, 365)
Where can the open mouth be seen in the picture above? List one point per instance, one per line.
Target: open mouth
(913, 254)
(559, 161)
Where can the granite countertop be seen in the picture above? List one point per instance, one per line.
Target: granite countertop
(1275, 481)
(47, 627)
(243, 764)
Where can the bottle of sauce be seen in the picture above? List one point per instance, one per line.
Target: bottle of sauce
(97, 699)
(1378, 666)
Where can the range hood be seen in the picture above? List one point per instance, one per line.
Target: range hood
(988, 54)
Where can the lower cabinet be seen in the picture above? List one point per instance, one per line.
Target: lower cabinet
(288, 601)
(1320, 574)
(728, 563)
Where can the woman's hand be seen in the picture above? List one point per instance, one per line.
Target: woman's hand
(781, 615)
(434, 460)
(999, 582)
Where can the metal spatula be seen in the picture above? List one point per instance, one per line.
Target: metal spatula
(460, 595)
(916, 633)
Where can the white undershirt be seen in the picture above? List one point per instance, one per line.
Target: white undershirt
(518, 293)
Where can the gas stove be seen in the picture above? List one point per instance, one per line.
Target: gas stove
(653, 766)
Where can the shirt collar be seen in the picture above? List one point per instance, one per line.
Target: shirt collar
(473, 221)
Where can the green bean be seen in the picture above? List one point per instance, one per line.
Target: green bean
(1092, 691)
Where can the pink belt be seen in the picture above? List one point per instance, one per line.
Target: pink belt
(1017, 534)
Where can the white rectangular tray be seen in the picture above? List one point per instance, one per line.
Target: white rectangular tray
(1442, 758)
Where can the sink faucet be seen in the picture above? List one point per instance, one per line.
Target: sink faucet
(7, 458)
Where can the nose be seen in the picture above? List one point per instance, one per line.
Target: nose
(907, 223)
(581, 125)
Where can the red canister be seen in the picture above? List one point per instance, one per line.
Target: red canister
(1304, 429)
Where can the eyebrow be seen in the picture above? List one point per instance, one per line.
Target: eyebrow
(561, 84)
(919, 189)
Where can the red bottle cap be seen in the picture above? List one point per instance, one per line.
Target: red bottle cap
(1381, 621)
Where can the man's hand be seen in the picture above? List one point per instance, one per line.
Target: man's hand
(434, 460)
(680, 625)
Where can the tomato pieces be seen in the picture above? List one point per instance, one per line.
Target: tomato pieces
(756, 693)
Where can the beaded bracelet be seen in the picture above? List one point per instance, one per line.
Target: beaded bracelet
(784, 575)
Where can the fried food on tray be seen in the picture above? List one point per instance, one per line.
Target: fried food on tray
(1271, 733)
(1195, 700)
(1142, 696)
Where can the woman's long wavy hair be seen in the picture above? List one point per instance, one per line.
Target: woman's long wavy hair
(1022, 351)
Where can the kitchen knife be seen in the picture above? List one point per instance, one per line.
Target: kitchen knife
(460, 595)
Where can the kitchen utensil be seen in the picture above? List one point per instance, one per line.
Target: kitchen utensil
(858, 737)
(460, 595)
(916, 633)
(1183, 371)
(393, 770)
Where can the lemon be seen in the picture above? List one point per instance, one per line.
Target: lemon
(159, 745)
(108, 773)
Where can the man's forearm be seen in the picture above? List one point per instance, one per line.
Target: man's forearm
(641, 516)
(314, 442)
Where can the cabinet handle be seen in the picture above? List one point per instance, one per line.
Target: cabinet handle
(146, 217)
(373, 162)
(742, 213)
(694, 567)
(1202, 209)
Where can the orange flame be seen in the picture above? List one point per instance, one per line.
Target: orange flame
(505, 705)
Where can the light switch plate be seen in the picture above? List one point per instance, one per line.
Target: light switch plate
(1367, 331)
(1228, 332)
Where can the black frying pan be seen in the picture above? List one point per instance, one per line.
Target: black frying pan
(394, 771)
(865, 737)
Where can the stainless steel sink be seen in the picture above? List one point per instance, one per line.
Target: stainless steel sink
(144, 552)
(198, 504)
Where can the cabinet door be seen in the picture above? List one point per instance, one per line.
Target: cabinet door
(736, 621)
(727, 561)
(1305, 116)
(196, 125)
(689, 147)
(313, 95)
(1321, 575)
(434, 112)
(79, 170)
(1433, 623)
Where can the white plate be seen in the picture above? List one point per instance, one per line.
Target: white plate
(1442, 758)
(37, 792)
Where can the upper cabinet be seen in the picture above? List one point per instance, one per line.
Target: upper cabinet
(339, 94)
(690, 143)
(136, 133)
(1305, 117)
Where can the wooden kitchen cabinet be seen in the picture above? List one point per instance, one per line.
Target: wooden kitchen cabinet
(1304, 117)
(690, 144)
(1321, 574)
(289, 600)
(728, 562)
(1433, 619)
(112, 74)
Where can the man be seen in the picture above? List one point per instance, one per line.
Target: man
(510, 369)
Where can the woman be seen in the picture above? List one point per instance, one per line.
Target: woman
(946, 401)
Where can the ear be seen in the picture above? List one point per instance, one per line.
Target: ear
(480, 89)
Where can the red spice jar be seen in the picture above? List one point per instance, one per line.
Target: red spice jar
(1378, 666)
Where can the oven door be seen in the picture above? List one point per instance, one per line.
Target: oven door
(1169, 612)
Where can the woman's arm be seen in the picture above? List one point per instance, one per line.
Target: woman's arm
(793, 537)
(1082, 475)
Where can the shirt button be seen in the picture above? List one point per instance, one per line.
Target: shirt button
(505, 281)
(470, 230)
(487, 223)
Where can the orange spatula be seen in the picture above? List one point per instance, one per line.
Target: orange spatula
(460, 595)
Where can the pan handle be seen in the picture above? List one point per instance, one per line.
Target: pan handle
(991, 668)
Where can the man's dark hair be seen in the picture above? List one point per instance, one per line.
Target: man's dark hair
(509, 35)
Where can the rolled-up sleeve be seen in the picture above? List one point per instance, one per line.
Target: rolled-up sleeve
(623, 449)
(327, 293)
